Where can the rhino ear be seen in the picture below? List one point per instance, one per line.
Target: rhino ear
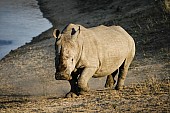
(56, 33)
(74, 33)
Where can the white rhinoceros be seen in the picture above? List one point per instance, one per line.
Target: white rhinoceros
(82, 53)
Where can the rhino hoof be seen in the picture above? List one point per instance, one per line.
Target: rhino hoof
(71, 95)
(83, 92)
(110, 84)
(119, 87)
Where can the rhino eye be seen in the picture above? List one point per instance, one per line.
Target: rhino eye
(73, 31)
(72, 60)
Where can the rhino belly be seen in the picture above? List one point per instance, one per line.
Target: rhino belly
(108, 67)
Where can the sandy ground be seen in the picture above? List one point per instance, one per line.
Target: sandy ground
(27, 74)
(150, 97)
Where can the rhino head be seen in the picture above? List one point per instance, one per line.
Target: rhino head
(66, 52)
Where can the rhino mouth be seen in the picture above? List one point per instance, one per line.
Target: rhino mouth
(62, 76)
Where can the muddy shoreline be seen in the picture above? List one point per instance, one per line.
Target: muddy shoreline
(20, 21)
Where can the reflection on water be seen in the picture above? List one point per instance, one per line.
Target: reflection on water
(20, 20)
(5, 42)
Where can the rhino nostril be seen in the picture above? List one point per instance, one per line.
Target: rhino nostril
(58, 76)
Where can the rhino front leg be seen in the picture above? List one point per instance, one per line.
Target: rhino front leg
(84, 78)
(110, 80)
(74, 87)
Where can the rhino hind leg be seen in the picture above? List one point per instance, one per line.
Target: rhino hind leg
(110, 81)
(123, 69)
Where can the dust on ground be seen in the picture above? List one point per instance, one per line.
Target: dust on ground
(149, 96)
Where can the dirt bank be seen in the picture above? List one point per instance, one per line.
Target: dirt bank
(29, 70)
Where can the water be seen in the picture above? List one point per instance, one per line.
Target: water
(20, 20)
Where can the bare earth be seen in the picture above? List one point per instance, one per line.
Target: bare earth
(27, 74)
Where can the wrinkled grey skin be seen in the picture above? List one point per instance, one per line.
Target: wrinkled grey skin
(83, 53)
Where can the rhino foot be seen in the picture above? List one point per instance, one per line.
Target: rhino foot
(110, 81)
(110, 84)
(71, 95)
(118, 87)
(83, 91)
